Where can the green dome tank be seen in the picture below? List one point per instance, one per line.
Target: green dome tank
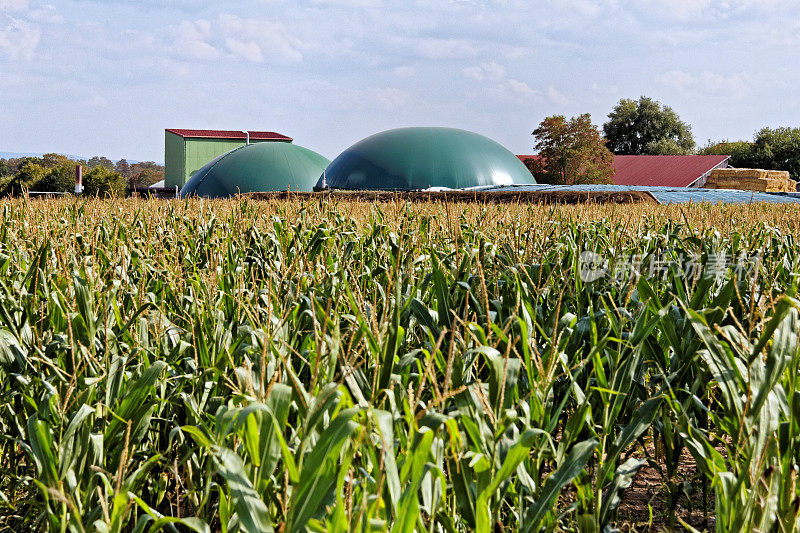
(260, 167)
(420, 158)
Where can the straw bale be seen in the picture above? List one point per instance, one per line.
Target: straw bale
(750, 179)
(779, 174)
(747, 183)
(723, 173)
(751, 173)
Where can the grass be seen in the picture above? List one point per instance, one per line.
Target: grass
(250, 366)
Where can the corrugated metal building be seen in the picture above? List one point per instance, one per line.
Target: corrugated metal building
(662, 170)
(187, 151)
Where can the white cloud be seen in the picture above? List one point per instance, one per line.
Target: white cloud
(246, 39)
(19, 39)
(586, 8)
(520, 87)
(46, 14)
(97, 101)
(347, 4)
(385, 98)
(437, 48)
(706, 84)
(191, 39)
(404, 71)
(688, 10)
(604, 90)
(501, 86)
(13, 5)
(252, 37)
(490, 71)
(556, 97)
(681, 9)
(342, 100)
(21, 31)
(783, 35)
(247, 50)
(508, 94)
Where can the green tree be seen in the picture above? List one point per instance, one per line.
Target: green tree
(53, 160)
(570, 152)
(15, 163)
(777, 149)
(100, 181)
(124, 168)
(98, 161)
(4, 170)
(136, 168)
(772, 149)
(646, 127)
(58, 179)
(28, 175)
(146, 178)
(741, 152)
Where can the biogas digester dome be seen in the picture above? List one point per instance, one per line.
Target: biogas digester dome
(260, 167)
(420, 158)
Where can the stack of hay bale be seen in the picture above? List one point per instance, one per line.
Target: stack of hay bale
(751, 179)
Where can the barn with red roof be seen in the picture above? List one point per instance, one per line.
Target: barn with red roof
(662, 170)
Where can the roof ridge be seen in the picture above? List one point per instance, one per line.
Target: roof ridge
(228, 134)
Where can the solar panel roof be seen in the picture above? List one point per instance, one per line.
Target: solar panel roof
(666, 195)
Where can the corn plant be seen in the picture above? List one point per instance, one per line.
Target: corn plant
(335, 365)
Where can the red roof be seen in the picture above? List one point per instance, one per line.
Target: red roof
(231, 134)
(660, 170)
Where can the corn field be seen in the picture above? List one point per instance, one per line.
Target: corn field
(335, 366)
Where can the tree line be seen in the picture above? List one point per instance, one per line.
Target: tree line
(56, 173)
(574, 151)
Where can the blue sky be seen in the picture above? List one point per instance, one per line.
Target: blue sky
(106, 77)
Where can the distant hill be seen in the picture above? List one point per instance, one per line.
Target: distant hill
(16, 155)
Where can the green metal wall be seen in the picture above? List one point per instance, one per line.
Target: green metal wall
(185, 156)
(174, 164)
(201, 151)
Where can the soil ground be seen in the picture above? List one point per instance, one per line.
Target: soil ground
(645, 504)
